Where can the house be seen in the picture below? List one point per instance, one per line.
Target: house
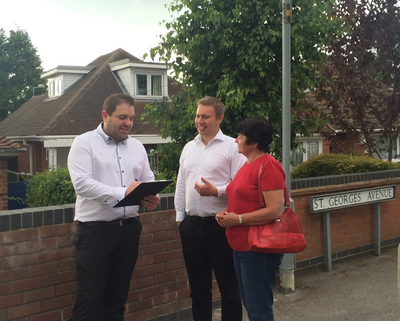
(7, 149)
(47, 124)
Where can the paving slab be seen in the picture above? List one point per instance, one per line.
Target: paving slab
(362, 288)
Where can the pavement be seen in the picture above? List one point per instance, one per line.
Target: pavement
(362, 288)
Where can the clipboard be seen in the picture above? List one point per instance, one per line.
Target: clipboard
(142, 190)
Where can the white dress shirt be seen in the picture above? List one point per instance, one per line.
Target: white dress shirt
(217, 162)
(101, 171)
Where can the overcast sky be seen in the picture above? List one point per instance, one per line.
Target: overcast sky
(75, 32)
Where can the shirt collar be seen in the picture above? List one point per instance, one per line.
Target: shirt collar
(219, 136)
(107, 138)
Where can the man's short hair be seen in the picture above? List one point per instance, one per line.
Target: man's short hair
(219, 107)
(111, 103)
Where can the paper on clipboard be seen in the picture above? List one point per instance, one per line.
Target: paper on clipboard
(142, 190)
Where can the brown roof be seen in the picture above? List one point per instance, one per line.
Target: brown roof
(78, 109)
(7, 146)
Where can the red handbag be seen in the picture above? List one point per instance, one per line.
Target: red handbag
(284, 235)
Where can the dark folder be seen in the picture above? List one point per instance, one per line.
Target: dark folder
(141, 191)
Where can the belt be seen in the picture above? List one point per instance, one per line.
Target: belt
(124, 222)
(203, 218)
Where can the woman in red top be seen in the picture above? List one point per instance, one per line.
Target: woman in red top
(256, 272)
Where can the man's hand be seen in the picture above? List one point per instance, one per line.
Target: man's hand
(131, 187)
(151, 202)
(207, 189)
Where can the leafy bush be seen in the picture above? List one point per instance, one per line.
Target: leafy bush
(337, 164)
(50, 188)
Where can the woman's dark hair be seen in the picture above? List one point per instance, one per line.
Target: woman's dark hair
(257, 130)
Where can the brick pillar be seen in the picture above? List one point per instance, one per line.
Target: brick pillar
(3, 184)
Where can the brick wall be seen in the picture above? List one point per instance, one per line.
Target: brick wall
(352, 228)
(37, 266)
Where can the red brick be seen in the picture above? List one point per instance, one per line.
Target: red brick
(146, 218)
(48, 316)
(41, 269)
(153, 227)
(164, 236)
(164, 216)
(176, 285)
(10, 250)
(57, 302)
(4, 289)
(23, 310)
(159, 311)
(67, 312)
(153, 269)
(183, 293)
(12, 275)
(165, 277)
(20, 235)
(164, 298)
(67, 240)
(146, 239)
(10, 301)
(145, 260)
(140, 305)
(174, 265)
(152, 291)
(154, 248)
(174, 244)
(168, 256)
(55, 255)
(13, 262)
(181, 304)
(142, 282)
(55, 230)
(67, 264)
(59, 278)
(66, 288)
(133, 296)
(25, 285)
(39, 294)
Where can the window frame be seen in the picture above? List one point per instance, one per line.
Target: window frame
(148, 84)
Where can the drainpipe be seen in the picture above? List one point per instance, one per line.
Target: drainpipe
(30, 155)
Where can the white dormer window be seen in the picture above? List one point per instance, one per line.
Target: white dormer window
(148, 85)
(55, 87)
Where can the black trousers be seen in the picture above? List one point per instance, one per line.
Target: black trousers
(205, 248)
(105, 259)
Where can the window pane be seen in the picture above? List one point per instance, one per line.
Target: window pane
(312, 149)
(297, 155)
(156, 85)
(141, 85)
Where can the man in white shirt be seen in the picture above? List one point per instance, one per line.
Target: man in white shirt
(106, 165)
(207, 165)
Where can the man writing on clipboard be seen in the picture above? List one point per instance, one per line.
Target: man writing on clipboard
(106, 165)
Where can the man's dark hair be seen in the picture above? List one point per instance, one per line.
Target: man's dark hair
(111, 103)
(257, 130)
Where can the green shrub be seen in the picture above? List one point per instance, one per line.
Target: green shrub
(50, 188)
(337, 164)
(167, 175)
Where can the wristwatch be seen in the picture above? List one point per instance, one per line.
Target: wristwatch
(240, 219)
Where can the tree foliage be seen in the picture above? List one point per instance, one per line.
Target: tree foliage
(20, 69)
(362, 87)
(233, 50)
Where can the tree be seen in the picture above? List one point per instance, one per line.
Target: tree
(233, 50)
(362, 87)
(20, 69)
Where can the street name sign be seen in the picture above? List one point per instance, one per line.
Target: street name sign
(326, 202)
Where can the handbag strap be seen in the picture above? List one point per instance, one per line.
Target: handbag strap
(261, 203)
